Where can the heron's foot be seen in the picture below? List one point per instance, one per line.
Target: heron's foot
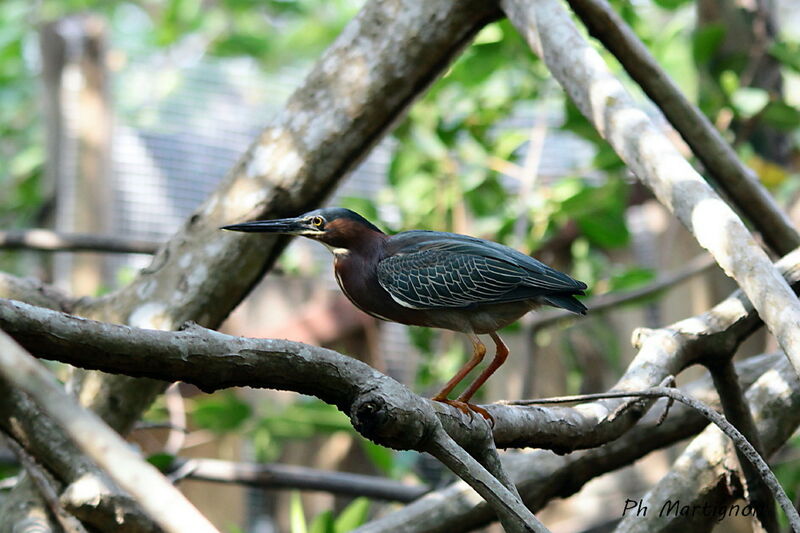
(466, 408)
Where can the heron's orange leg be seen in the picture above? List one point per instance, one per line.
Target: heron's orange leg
(499, 358)
(479, 350)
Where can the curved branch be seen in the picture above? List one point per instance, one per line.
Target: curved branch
(702, 474)
(359, 87)
(213, 360)
(736, 410)
(742, 444)
(542, 475)
(552, 35)
(513, 514)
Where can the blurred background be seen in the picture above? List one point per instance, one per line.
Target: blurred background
(119, 118)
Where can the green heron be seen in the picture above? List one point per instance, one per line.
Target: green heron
(433, 279)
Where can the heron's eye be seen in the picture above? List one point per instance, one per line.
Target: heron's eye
(317, 222)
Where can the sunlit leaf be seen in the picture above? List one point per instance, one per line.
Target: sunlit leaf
(323, 523)
(297, 519)
(770, 174)
(352, 516)
(749, 100)
(787, 53)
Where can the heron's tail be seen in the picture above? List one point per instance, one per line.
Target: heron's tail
(566, 301)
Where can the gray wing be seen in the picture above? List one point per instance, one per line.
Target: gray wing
(436, 278)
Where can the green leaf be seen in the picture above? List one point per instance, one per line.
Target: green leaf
(787, 53)
(748, 101)
(162, 461)
(606, 158)
(242, 44)
(381, 457)
(782, 116)
(297, 519)
(352, 516)
(631, 278)
(706, 41)
(509, 141)
(221, 412)
(606, 229)
(323, 523)
(27, 160)
(598, 211)
(491, 33)
(671, 4)
(303, 419)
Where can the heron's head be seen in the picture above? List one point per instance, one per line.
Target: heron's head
(338, 228)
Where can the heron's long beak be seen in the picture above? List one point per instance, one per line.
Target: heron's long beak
(288, 226)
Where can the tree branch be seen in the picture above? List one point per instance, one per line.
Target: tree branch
(550, 32)
(542, 475)
(513, 514)
(359, 87)
(736, 410)
(53, 241)
(730, 175)
(702, 474)
(380, 408)
(44, 483)
(159, 498)
(279, 476)
(34, 292)
(206, 358)
(748, 452)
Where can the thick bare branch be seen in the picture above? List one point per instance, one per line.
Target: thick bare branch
(360, 86)
(213, 360)
(206, 358)
(165, 503)
(549, 30)
(731, 176)
(542, 476)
